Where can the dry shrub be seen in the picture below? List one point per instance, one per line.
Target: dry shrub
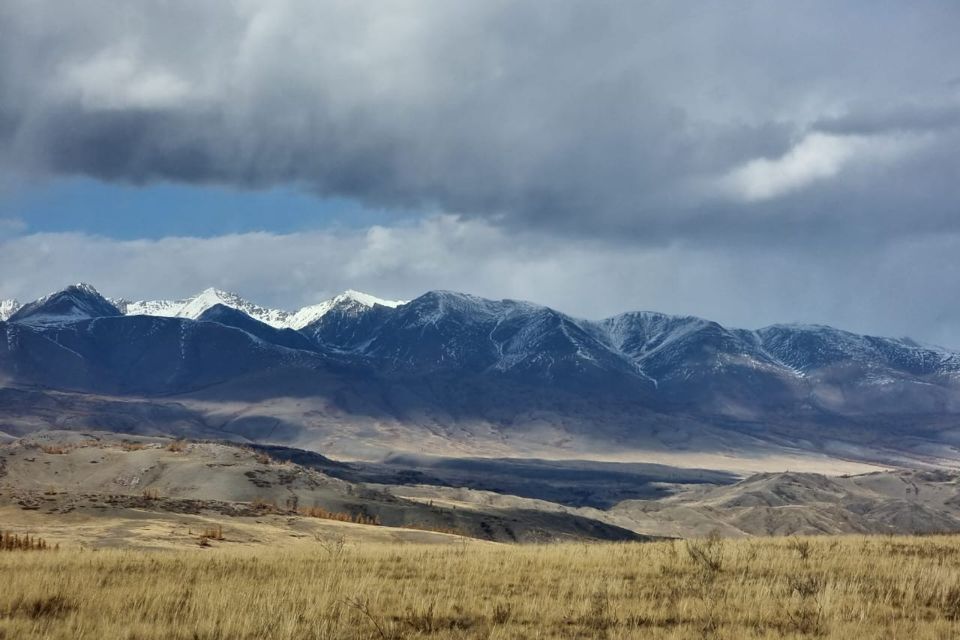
(802, 546)
(37, 608)
(151, 494)
(132, 446)
(264, 505)
(211, 533)
(14, 542)
(177, 446)
(707, 553)
(263, 458)
(339, 516)
(55, 449)
(333, 545)
(502, 613)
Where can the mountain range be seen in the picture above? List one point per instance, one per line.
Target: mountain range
(450, 372)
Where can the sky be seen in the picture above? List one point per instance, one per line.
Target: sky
(746, 161)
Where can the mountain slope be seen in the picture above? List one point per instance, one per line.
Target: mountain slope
(901, 502)
(237, 319)
(232, 481)
(464, 373)
(76, 302)
(350, 302)
(447, 332)
(139, 354)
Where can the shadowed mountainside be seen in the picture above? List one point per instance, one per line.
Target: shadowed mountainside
(451, 373)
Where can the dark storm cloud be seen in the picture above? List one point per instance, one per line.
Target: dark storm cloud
(653, 121)
(748, 161)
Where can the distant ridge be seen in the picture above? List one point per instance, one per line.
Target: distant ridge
(500, 369)
(194, 306)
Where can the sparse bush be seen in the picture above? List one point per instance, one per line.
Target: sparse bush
(950, 603)
(212, 533)
(502, 613)
(54, 449)
(339, 516)
(151, 494)
(333, 545)
(802, 546)
(38, 608)
(15, 542)
(384, 631)
(599, 617)
(264, 505)
(805, 586)
(177, 446)
(707, 553)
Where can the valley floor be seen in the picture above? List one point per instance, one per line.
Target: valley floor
(355, 589)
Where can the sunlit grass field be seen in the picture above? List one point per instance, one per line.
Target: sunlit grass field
(849, 588)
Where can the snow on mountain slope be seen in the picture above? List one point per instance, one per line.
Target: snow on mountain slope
(166, 308)
(349, 301)
(76, 302)
(8, 308)
(813, 347)
(194, 306)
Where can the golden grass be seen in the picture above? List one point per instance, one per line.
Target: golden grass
(845, 588)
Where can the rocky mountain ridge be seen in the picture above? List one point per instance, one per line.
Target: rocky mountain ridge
(504, 369)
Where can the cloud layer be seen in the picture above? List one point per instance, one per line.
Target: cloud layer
(654, 120)
(748, 161)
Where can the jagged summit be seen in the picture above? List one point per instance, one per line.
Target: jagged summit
(194, 306)
(77, 302)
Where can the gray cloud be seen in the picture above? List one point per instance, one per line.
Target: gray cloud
(753, 162)
(902, 118)
(622, 119)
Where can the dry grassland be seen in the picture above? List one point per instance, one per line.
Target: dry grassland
(849, 588)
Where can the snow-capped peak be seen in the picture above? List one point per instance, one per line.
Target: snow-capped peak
(194, 306)
(349, 300)
(8, 308)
